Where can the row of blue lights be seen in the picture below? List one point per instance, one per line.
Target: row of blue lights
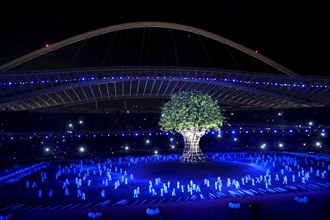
(136, 134)
(297, 85)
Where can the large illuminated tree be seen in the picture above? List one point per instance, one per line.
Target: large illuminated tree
(191, 114)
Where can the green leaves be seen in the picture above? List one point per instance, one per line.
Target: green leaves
(191, 110)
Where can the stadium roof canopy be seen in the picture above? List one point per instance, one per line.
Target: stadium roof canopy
(152, 61)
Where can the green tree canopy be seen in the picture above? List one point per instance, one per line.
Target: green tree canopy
(191, 111)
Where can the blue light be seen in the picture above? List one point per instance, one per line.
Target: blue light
(232, 80)
(136, 134)
(150, 134)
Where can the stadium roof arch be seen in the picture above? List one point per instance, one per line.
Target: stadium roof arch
(153, 60)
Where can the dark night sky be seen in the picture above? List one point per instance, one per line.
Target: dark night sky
(292, 34)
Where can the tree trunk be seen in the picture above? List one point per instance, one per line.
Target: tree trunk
(192, 152)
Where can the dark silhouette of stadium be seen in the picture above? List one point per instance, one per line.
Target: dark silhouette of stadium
(60, 160)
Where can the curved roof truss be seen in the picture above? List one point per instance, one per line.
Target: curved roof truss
(114, 28)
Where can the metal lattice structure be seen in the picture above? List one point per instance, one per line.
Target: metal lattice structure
(59, 75)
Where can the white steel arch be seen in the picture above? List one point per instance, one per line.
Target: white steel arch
(134, 25)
